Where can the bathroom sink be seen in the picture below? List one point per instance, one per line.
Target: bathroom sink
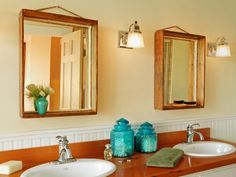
(206, 148)
(79, 168)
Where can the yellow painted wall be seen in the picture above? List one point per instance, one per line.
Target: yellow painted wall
(126, 77)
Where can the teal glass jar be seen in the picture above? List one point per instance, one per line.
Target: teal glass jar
(146, 138)
(122, 139)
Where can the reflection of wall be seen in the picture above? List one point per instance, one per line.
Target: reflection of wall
(55, 65)
(38, 28)
(40, 59)
(38, 62)
(126, 77)
(168, 63)
(180, 73)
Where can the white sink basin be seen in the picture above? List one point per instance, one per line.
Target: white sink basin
(206, 148)
(80, 168)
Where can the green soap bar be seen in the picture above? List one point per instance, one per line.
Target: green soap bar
(166, 157)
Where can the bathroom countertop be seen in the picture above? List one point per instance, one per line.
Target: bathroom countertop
(134, 168)
(187, 165)
(137, 168)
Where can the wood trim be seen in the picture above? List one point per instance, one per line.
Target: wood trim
(159, 69)
(201, 72)
(21, 63)
(180, 35)
(27, 13)
(180, 106)
(49, 114)
(191, 73)
(50, 17)
(96, 53)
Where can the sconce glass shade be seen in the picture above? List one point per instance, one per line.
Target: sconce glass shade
(222, 48)
(223, 51)
(135, 38)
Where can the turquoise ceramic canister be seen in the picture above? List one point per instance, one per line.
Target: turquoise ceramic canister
(122, 139)
(146, 138)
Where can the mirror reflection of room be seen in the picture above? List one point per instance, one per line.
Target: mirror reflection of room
(57, 55)
(180, 72)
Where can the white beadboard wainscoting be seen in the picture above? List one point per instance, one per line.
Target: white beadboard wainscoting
(221, 128)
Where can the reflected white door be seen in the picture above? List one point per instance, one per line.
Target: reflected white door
(71, 63)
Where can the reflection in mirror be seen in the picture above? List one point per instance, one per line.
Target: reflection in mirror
(180, 61)
(61, 53)
(179, 70)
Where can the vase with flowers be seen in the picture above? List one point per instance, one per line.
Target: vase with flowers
(39, 94)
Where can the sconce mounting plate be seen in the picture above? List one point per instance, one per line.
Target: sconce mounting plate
(211, 49)
(123, 39)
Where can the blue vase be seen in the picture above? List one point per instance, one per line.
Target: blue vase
(146, 138)
(42, 105)
(122, 139)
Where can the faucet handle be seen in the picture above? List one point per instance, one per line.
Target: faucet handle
(190, 126)
(62, 139)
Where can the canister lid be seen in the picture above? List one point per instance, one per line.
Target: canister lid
(122, 125)
(146, 128)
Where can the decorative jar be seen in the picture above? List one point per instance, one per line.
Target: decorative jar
(122, 139)
(146, 138)
(41, 105)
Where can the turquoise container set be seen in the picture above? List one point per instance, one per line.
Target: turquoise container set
(146, 138)
(123, 140)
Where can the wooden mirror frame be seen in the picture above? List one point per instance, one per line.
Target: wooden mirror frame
(159, 91)
(58, 18)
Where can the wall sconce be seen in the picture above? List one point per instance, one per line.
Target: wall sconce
(131, 39)
(219, 49)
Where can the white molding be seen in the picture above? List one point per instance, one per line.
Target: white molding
(221, 128)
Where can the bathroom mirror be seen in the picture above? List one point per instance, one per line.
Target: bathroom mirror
(59, 51)
(179, 70)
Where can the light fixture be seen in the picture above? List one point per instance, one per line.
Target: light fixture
(219, 49)
(222, 49)
(131, 39)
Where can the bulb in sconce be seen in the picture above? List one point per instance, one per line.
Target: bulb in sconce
(135, 40)
(222, 49)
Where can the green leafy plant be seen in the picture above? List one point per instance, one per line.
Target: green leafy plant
(37, 91)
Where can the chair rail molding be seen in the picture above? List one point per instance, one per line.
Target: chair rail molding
(221, 128)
